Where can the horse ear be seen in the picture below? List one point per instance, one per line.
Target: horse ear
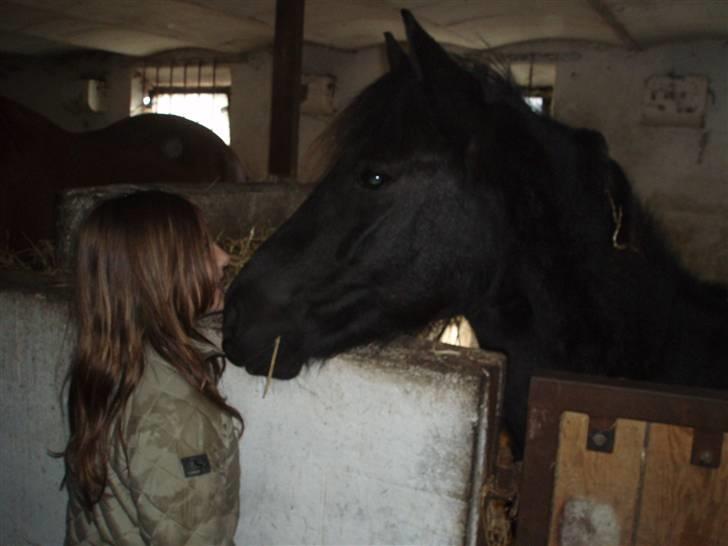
(454, 93)
(433, 65)
(395, 54)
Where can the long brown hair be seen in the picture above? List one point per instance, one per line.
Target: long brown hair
(144, 277)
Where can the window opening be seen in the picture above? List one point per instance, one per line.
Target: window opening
(208, 109)
(539, 99)
(194, 90)
(535, 79)
(536, 103)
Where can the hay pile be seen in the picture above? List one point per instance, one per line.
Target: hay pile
(241, 249)
(39, 257)
(42, 257)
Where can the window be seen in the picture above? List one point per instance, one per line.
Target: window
(208, 109)
(536, 103)
(196, 90)
(536, 80)
(538, 99)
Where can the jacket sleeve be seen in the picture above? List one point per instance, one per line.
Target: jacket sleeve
(184, 475)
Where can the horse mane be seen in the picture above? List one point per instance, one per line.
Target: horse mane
(586, 242)
(361, 131)
(581, 237)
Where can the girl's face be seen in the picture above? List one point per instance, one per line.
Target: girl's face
(220, 260)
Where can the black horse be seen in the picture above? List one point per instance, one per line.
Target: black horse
(448, 196)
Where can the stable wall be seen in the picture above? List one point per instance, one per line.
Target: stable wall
(54, 86)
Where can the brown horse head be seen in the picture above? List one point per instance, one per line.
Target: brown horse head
(38, 160)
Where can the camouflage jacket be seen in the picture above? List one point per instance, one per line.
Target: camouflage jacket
(177, 479)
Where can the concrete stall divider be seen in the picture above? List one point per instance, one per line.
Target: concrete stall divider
(230, 209)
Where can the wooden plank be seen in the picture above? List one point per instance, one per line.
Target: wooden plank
(552, 393)
(286, 99)
(595, 494)
(682, 504)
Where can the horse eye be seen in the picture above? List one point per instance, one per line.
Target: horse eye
(372, 179)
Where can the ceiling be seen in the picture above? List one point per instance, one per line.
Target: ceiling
(145, 27)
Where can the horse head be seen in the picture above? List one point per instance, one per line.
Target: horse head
(436, 180)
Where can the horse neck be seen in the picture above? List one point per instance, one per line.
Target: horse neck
(622, 313)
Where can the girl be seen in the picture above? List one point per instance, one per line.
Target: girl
(153, 452)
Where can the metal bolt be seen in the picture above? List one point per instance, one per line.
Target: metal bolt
(706, 457)
(599, 439)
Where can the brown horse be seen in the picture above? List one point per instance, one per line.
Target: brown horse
(39, 159)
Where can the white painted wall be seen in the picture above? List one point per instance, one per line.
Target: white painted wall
(34, 351)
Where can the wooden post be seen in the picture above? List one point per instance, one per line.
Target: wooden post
(285, 103)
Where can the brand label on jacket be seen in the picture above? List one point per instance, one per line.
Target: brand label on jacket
(197, 465)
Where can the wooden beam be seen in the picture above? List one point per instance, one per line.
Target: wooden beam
(609, 18)
(286, 99)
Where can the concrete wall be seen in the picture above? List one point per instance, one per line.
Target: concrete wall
(377, 446)
(54, 87)
(35, 347)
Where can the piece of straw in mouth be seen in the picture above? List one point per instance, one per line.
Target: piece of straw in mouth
(272, 365)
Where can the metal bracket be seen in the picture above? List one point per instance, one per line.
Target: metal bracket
(600, 436)
(707, 448)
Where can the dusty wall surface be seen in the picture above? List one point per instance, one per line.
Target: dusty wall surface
(54, 87)
(376, 446)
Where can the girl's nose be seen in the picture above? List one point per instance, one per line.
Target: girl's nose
(222, 258)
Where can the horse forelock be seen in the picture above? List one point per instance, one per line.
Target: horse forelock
(389, 120)
(394, 117)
